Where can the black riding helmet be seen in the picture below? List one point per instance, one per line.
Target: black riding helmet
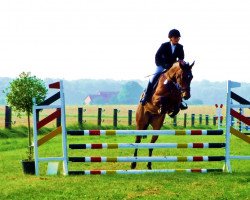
(174, 33)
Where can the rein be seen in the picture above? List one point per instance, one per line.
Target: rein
(155, 73)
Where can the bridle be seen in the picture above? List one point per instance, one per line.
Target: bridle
(177, 85)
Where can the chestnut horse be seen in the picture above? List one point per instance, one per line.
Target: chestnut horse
(173, 85)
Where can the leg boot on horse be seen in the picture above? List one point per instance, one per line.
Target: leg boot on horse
(153, 140)
(138, 140)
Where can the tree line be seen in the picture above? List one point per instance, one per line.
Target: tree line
(202, 92)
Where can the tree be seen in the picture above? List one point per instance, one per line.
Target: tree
(130, 93)
(19, 96)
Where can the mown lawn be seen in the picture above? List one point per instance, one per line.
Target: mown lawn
(15, 185)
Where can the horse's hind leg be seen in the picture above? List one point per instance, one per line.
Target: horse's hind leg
(156, 124)
(138, 140)
(153, 140)
(142, 123)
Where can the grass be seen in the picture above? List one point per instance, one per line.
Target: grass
(15, 185)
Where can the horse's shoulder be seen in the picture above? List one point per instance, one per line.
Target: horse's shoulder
(149, 107)
(161, 83)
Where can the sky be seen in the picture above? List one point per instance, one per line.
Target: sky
(118, 39)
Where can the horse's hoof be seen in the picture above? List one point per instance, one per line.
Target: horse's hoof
(133, 165)
(149, 166)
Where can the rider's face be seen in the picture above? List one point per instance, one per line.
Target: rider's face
(175, 40)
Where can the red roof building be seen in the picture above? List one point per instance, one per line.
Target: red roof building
(100, 98)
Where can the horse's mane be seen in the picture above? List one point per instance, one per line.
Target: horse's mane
(175, 65)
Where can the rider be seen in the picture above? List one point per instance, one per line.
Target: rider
(166, 55)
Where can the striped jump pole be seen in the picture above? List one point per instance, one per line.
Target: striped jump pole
(144, 132)
(149, 159)
(103, 172)
(146, 145)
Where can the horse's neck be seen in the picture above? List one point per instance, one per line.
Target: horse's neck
(166, 83)
(170, 74)
(166, 92)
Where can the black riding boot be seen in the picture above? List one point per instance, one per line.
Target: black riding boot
(150, 88)
(147, 94)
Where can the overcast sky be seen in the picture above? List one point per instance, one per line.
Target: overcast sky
(118, 39)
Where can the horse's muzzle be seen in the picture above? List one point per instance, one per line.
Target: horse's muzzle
(186, 95)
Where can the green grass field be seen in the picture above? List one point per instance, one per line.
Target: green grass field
(15, 185)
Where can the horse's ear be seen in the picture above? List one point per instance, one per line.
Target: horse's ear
(192, 65)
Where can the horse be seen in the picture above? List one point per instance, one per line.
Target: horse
(173, 85)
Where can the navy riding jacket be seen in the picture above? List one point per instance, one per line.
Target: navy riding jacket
(164, 56)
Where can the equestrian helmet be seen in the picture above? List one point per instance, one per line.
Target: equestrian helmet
(174, 33)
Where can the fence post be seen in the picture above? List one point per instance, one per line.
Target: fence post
(58, 120)
(192, 119)
(8, 117)
(214, 120)
(207, 120)
(80, 114)
(115, 117)
(175, 121)
(185, 120)
(221, 120)
(99, 118)
(200, 119)
(239, 122)
(130, 117)
(232, 121)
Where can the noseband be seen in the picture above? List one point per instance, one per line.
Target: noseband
(185, 89)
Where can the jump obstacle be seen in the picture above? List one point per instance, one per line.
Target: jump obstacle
(60, 113)
(37, 124)
(235, 101)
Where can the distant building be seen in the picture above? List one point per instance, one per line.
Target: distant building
(100, 98)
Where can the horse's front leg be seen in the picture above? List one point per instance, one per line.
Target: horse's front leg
(137, 140)
(153, 140)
